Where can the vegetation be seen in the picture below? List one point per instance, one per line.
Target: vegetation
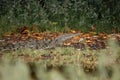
(44, 14)
(59, 40)
(61, 64)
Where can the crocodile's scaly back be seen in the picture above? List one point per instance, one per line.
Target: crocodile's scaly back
(61, 39)
(34, 43)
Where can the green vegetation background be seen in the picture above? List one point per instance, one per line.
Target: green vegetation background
(62, 14)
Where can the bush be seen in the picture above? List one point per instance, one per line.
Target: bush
(70, 13)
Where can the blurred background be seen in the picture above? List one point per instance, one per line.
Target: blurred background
(63, 14)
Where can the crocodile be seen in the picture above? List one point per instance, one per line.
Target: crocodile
(60, 39)
(35, 44)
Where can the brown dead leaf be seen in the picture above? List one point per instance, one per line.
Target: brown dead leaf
(67, 44)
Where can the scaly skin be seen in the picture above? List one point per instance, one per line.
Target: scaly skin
(34, 43)
(61, 39)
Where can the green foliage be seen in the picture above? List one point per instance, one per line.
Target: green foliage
(75, 14)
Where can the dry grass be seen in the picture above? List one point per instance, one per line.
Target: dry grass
(61, 64)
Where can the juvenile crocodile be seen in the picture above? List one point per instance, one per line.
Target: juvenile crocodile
(35, 44)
